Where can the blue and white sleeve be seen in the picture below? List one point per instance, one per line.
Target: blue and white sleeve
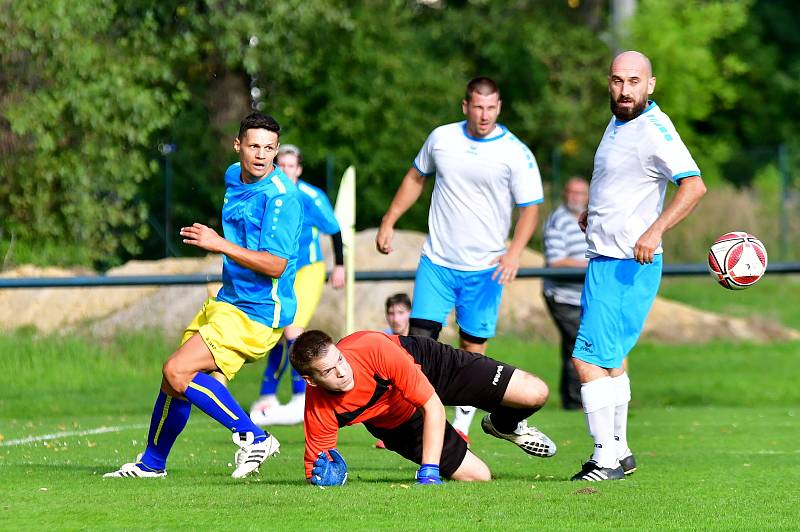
(526, 181)
(670, 158)
(424, 162)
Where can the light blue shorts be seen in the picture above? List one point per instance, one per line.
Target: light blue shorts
(617, 295)
(475, 296)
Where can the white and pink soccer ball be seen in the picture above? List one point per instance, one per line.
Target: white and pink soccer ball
(737, 260)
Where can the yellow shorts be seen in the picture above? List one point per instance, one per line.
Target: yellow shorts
(231, 336)
(308, 287)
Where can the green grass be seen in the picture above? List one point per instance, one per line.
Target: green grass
(715, 429)
(769, 300)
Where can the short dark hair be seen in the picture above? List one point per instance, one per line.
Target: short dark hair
(481, 85)
(308, 347)
(400, 298)
(258, 121)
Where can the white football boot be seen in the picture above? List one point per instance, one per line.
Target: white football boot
(529, 439)
(250, 455)
(132, 470)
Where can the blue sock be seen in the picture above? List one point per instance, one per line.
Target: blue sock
(210, 396)
(168, 420)
(276, 366)
(298, 384)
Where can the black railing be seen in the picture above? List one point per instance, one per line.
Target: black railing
(565, 274)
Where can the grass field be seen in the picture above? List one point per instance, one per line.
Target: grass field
(715, 430)
(769, 300)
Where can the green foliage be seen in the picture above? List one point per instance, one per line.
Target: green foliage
(89, 90)
(80, 103)
(694, 78)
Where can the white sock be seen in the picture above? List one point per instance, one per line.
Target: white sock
(622, 388)
(463, 418)
(598, 403)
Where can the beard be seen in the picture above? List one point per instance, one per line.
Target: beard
(626, 114)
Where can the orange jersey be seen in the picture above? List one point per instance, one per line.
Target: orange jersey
(388, 388)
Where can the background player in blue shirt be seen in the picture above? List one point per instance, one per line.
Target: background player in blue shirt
(318, 217)
(261, 219)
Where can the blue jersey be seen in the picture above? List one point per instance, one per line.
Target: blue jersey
(318, 218)
(262, 216)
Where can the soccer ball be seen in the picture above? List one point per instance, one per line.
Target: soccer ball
(737, 260)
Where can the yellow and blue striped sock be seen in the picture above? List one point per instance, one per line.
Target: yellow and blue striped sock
(168, 420)
(210, 396)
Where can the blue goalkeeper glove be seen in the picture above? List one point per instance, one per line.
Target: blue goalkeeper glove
(428, 474)
(331, 472)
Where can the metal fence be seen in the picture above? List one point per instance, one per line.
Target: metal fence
(565, 274)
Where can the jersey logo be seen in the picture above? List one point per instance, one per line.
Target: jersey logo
(381, 387)
(664, 131)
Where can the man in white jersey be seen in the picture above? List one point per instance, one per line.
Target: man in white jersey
(639, 154)
(482, 171)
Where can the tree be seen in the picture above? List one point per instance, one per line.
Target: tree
(79, 101)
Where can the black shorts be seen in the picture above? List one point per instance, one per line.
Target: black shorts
(406, 440)
(459, 378)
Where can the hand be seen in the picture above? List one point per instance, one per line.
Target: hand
(203, 237)
(383, 240)
(331, 472)
(507, 267)
(645, 247)
(337, 276)
(583, 220)
(428, 474)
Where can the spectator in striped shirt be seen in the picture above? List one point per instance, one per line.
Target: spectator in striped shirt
(565, 247)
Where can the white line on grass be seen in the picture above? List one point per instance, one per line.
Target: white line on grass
(69, 433)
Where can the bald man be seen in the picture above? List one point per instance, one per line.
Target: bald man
(639, 154)
(565, 247)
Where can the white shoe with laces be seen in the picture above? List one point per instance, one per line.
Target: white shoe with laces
(132, 470)
(529, 439)
(250, 455)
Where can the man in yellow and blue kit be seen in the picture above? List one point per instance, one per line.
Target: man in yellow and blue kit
(261, 219)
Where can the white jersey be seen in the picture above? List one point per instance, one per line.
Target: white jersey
(478, 182)
(632, 166)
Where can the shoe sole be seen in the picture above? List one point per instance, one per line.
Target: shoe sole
(538, 449)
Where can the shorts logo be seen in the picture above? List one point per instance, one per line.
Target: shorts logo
(497, 375)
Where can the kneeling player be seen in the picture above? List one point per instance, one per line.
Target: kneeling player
(398, 386)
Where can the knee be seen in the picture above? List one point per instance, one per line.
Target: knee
(477, 473)
(536, 391)
(472, 469)
(174, 375)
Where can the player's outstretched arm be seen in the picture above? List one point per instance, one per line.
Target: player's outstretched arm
(690, 190)
(206, 238)
(409, 192)
(433, 425)
(508, 263)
